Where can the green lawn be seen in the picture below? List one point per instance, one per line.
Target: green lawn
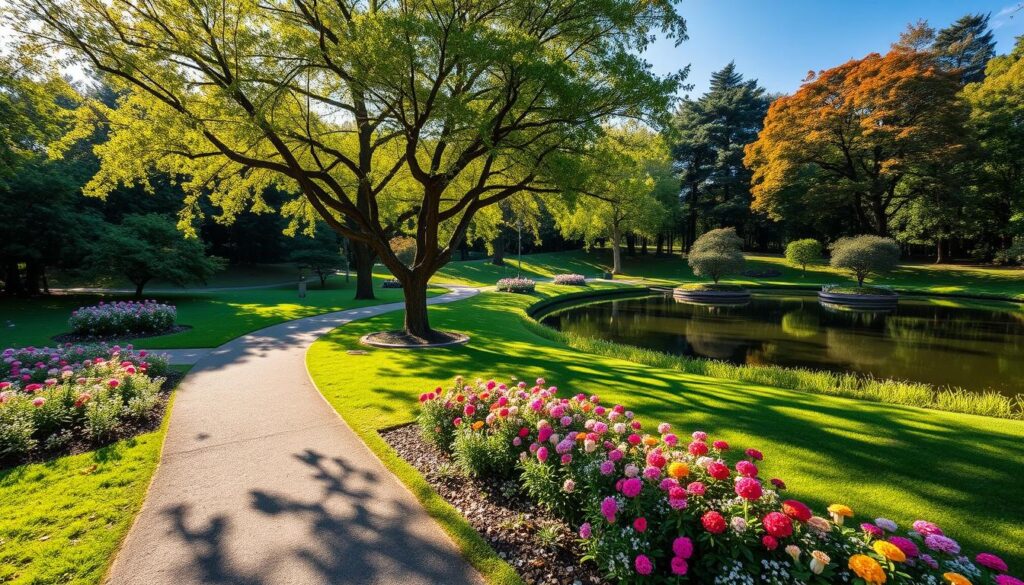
(929, 278)
(233, 275)
(215, 317)
(62, 521)
(960, 471)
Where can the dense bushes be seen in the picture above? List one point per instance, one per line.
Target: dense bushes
(516, 285)
(570, 279)
(122, 318)
(655, 507)
(53, 399)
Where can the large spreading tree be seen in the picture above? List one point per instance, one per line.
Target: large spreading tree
(856, 137)
(459, 104)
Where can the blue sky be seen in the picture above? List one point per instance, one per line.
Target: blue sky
(779, 41)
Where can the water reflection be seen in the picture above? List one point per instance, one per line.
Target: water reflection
(972, 345)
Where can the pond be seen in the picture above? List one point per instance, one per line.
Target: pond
(944, 342)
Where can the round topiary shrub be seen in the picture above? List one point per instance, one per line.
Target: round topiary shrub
(865, 256)
(516, 285)
(716, 253)
(803, 252)
(122, 318)
(571, 279)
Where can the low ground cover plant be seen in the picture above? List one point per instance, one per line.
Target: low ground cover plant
(570, 279)
(122, 318)
(53, 400)
(654, 507)
(516, 285)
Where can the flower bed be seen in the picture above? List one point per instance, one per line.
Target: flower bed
(391, 283)
(122, 318)
(516, 285)
(56, 400)
(651, 507)
(571, 279)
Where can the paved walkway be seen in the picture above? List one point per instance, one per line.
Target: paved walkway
(260, 481)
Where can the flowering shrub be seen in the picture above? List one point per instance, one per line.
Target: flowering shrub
(570, 279)
(391, 283)
(122, 317)
(53, 398)
(656, 507)
(516, 285)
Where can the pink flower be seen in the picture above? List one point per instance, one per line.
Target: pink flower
(755, 454)
(566, 459)
(656, 459)
(631, 487)
(679, 566)
(682, 547)
(643, 565)
(906, 545)
(749, 488)
(664, 428)
(607, 467)
(457, 421)
(640, 524)
(718, 470)
(746, 468)
(469, 410)
(542, 454)
(713, 522)
(872, 530)
(938, 542)
(569, 486)
(699, 436)
(696, 488)
(720, 446)
(769, 542)
(585, 530)
(992, 562)
(670, 440)
(924, 528)
(608, 508)
(698, 448)
(777, 524)
(38, 401)
(652, 472)
(1008, 580)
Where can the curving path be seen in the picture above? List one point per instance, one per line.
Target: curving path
(261, 482)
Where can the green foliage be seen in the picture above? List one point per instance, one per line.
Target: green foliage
(321, 255)
(864, 256)
(716, 253)
(147, 246)
(404, 249)
(483, 454)
(544, 484)
(436, 426)
(803, 252)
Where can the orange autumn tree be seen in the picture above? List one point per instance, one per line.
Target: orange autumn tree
(858, 137)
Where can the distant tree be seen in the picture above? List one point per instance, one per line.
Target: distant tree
(966, 46)
(404, 249)
(320, 255)
(865, 256)
(855, 135)
(710, 135)
(716, 253)
(144, 247)
(803, 252)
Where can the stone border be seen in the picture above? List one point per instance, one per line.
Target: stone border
(461, 339)
(859, 302)
(711, 297)
(544, 307)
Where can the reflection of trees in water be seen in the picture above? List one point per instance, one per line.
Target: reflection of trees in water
(856, 348)
(800, 324)
(710, 337)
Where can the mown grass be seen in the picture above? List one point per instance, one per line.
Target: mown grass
(902, 462)
(63, 520)
(944, 279)
(215, 317)
(849, 385)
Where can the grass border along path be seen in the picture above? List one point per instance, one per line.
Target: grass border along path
(961, 471)
(63, 520)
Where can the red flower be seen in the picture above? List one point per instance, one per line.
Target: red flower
(718, 470)
(713, 522)
(769, 542)
(640, 524)
(698, 449)
(777, 524)
(796, 510)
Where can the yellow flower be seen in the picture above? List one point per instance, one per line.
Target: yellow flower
(889, 551)
(819, 561)
(868, 569)
(956, 579)
(678, 469)
(839, 512)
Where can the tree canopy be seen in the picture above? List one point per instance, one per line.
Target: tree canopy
(716, 253)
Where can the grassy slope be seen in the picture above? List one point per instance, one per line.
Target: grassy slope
(215, 317)
(944, 279)
(905, 463)
(62, 521)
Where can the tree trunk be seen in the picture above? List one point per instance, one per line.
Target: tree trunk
(941, 251)
(464, 251)
(138, 288)
(33, 272)
(659, 244)
(12, 279)
(364, 257)
(323, 278)
(616, 251)
(416, 321)
(671, 241)
(643, 246)
(631, 245)
(499, 250)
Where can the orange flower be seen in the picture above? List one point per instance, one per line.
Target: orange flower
(478, 425)
(678, 469)
(651, 441)
(581, 436)
(586, 407)
(889, 551)
(956, 579)
(839, 512)
(868, 569)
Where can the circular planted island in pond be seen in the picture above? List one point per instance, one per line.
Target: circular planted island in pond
(712, 294)
(858, 298)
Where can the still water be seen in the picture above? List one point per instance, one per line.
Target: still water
(975, 346)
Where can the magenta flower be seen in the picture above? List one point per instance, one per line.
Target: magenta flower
(608, 509)
(1008, 580)
(631, 487)
(924, 528)
(991, 561)
(607, 467)
(696, 488)
(906, 545)
(940, 543)
(682, 547)
(585, 530)
(746, 468)
(872, 530)
(755, 454)
(542, 454)
(643, 565)
(679, 566)
(749, 488)
(640, 524)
